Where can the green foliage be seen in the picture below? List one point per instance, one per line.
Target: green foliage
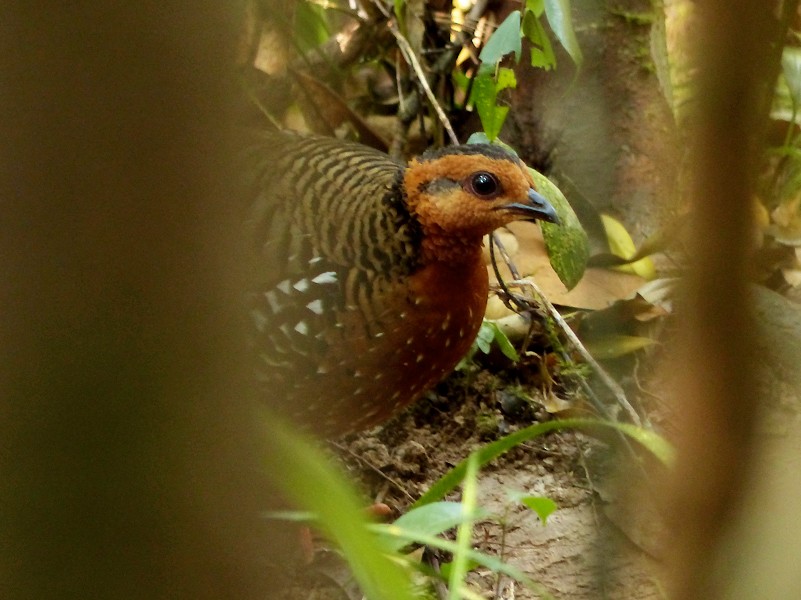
(488, 333)
(544, 507)
(486, 88)
(558, 15)
(431, 519)
(491, 79)
(311, 26)
(505, 40)
(464, 533)
(372, 550)
(654, 443)
(542, 54)
(423, 523)
(312, 484)
(567, 243)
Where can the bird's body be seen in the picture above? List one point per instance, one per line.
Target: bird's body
(370, 282)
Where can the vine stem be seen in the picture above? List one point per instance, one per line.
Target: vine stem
(613, 385)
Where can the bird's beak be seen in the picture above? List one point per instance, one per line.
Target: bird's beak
(536, 209)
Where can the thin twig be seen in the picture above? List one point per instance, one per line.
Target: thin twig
(372, 467)
(613, 385)
(410, 57)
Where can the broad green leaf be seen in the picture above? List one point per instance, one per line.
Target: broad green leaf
(431, 519)
(621, 244)
(544, 507)
(558, 14)
(312, 483)
(479, 137)
(542, 54)
(485, 95)
(567, 243)
(491, 562)
(615, 346)
(656, 444)
(505, 40)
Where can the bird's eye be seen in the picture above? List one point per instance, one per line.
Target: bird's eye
(484, 185)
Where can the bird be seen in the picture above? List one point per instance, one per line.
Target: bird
(368, 281)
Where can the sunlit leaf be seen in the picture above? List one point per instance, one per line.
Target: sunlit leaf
(542, 54)
(485, 95)
(621, 244)
(544, 507)
(536, 7)
(506, 79)
(473, 556)
(558, 14)
(505, 40)
(567, 243)
(431, 519)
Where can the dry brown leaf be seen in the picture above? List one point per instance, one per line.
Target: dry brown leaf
(597, 289)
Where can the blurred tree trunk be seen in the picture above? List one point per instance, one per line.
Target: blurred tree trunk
(129, 452)
(716, 395)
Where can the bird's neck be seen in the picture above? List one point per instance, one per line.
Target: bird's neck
(457, 251)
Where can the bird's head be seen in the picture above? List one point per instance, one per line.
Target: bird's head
(462, 193)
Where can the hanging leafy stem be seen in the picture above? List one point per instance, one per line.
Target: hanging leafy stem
(492, 79)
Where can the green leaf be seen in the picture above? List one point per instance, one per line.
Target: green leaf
(567, 243)
(505, 79)
(503, 342)
(656, 444)
(542, 54)
(558, 14)
(505, 40)
(310, 482)
(491, 562)
(621, 244)
(445, 568)
(431, 519)
(486, 334)
(544, 507)
(485, 94)
(479, 137)
(536, 7)
(311, 26)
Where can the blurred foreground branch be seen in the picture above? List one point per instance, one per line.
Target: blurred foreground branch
(129, 462)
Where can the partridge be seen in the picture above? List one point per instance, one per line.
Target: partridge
(369, 284)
